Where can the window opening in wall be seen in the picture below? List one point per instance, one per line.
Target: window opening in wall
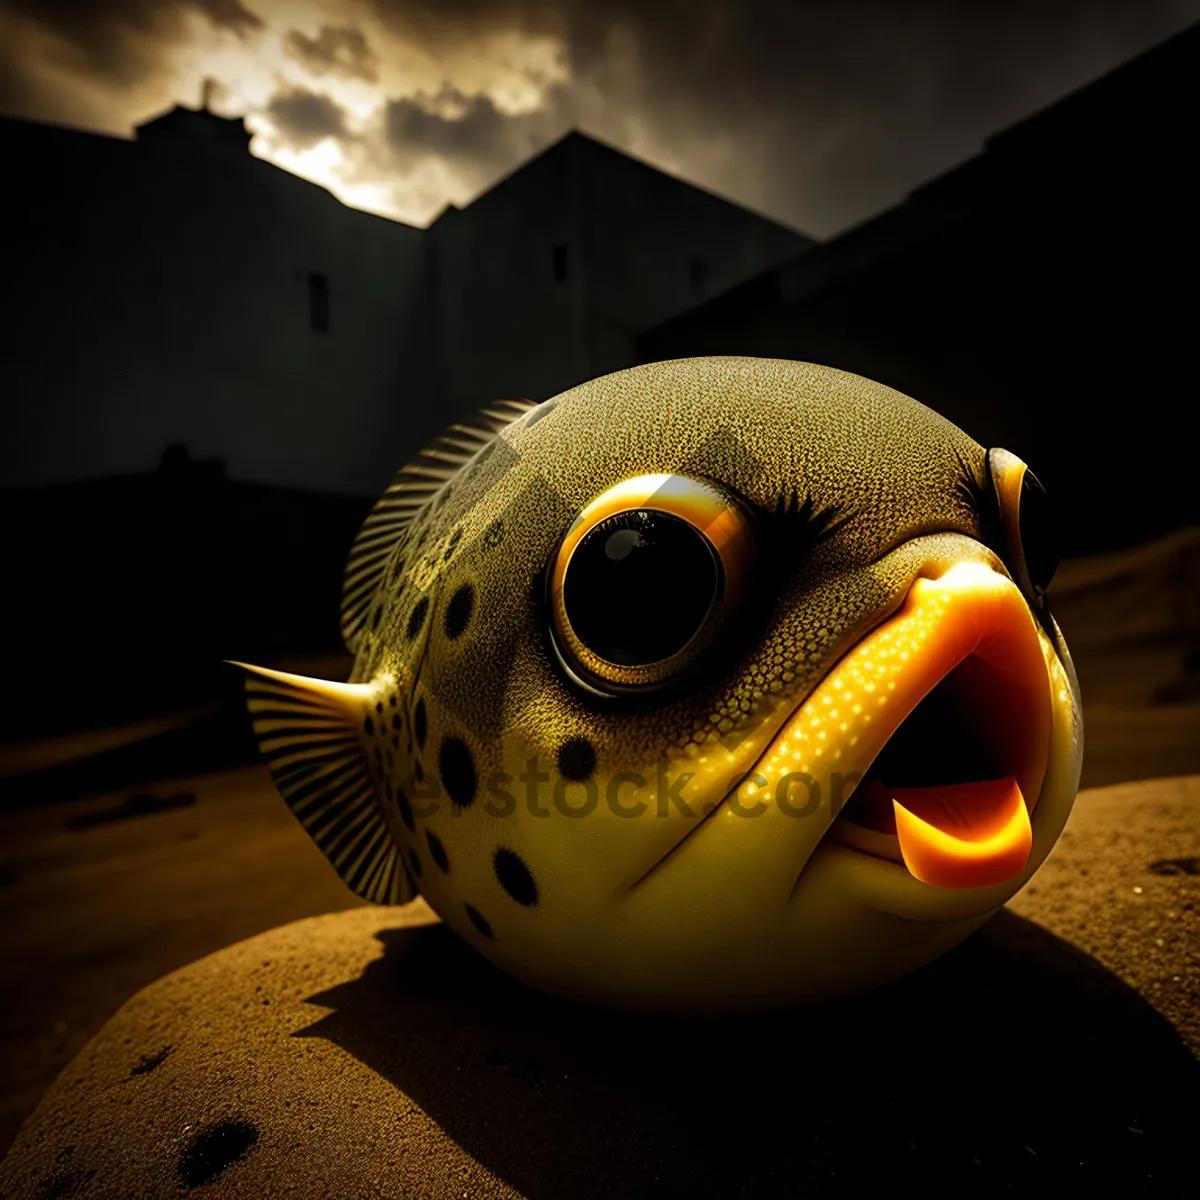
(318, 302)
(559, 262)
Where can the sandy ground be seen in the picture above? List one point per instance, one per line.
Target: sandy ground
(371, 1053)
(94, 913)
(20, 758)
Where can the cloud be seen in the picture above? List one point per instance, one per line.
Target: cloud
(823, 113)
(415, 155)
(229, 14)
(451, 108)
(104, 65)
(119, 39)
(305, 118)
(818, 114)
(453, 125)
(334, 51)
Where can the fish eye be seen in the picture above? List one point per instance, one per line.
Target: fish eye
(645, 579)
(1028, 523)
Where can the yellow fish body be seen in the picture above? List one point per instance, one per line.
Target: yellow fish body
(713, 683)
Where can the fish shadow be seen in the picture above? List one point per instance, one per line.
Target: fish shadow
(1016, 1062)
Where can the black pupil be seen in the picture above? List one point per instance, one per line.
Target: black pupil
(639, 586)
(1039, 531)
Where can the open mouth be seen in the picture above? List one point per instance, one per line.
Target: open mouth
(934, 731)
(942, 796)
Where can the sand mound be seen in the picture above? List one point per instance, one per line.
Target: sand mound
(1148, 593)
(370, 1053)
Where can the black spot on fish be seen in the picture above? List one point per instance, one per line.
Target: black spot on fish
(457, 769)
(421, 722)
(515, 877)
(414, 861)
(478, 920)
(576, 759)
(214, 1150)
(437, 851)
(406, 812)
(417, 617)
(379, 706)
(493, 535)
(455, 538)
(392, 699)
(396, 721)
(369, 726)
(458, 611)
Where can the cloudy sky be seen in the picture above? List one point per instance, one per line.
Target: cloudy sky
(816, 113)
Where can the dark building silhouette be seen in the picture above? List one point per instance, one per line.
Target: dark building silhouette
(1041, 296)
(175, 288)
(291, 353)
(550, 277)
(168, 289)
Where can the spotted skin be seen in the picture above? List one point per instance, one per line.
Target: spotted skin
(497, 770)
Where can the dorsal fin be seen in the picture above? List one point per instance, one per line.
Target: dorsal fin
(310, 732)
(413, 487)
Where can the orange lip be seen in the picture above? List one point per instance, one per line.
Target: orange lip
(963, 835)
(969, 637)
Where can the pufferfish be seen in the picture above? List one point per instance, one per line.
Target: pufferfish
(717, 683)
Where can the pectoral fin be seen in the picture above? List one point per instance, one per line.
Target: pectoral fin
(310, 732)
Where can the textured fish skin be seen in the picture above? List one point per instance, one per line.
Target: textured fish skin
(482, 754)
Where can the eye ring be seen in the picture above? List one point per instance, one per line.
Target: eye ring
(646, 577)
(1028, 526)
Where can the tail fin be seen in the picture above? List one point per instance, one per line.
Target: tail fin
(310, 731)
